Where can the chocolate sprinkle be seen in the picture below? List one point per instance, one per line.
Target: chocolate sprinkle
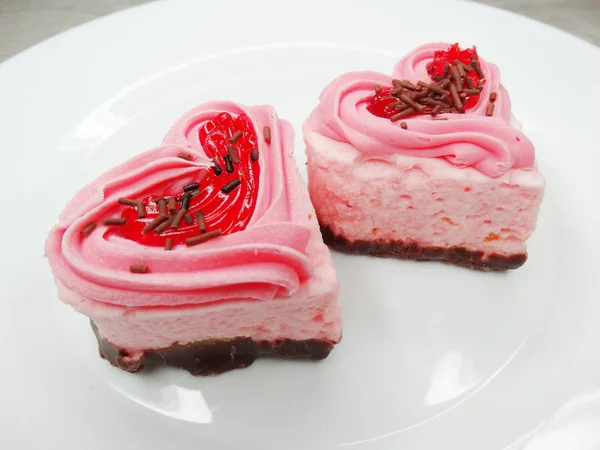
(230, 186)
(471, 91)
(162, 206)
(201, 221)
(235, 137)
(456, 98)
(490, 110)
(185, 201)
(403, 125)
(405, 84)
(457, 78)
(437, 89)
(493, 97)
(446, 70)
(188, 219)
(178, 218)
(434, 102)
(421, 94)
(377, 89)
(478, 71)
(128, 201)
(444, 84)
(470, 83)
(168, 244)
(216, 168)
(254, 155)
(228, 165)
(397, 92)
(467, 67)
(184, 155)
(409, 101)
(402, 107)
(163, 226)
(267, 134)
(460, 68)
(87, 230)
(114, 221)
(436, 110)
(232, 154)
(172, 205)
(202, 238)
(138, 268)
(141, 210)
(155, 223)
(190, 187)
(402, 114)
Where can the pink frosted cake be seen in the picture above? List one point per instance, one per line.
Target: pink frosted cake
(203, 253)
(428, 164)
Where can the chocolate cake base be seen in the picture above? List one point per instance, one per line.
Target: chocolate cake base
(398, 249)
(211, 357)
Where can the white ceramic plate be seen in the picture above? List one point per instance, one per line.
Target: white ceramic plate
(433, 356)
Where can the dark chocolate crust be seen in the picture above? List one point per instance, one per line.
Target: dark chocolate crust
(398, 249)
(211, 357)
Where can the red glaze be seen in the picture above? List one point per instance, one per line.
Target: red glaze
(229, 212)
(377, 103)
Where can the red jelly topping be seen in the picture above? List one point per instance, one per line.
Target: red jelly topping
(229, 212)
(379, 103)
(385, 104)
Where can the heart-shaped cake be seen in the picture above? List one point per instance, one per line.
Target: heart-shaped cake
(203, 253)
(426, 164)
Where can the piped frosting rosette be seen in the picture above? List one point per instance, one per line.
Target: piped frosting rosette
(265, 260)
(489, 144)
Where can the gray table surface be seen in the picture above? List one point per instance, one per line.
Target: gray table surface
(24, 23)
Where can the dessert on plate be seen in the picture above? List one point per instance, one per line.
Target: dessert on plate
(203, 253)
(426, 164)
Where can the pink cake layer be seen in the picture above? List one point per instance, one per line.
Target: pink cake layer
(311, 313)
(423, 200)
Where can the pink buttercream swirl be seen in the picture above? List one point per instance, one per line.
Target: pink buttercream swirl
(265, 260)
(489, 144)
